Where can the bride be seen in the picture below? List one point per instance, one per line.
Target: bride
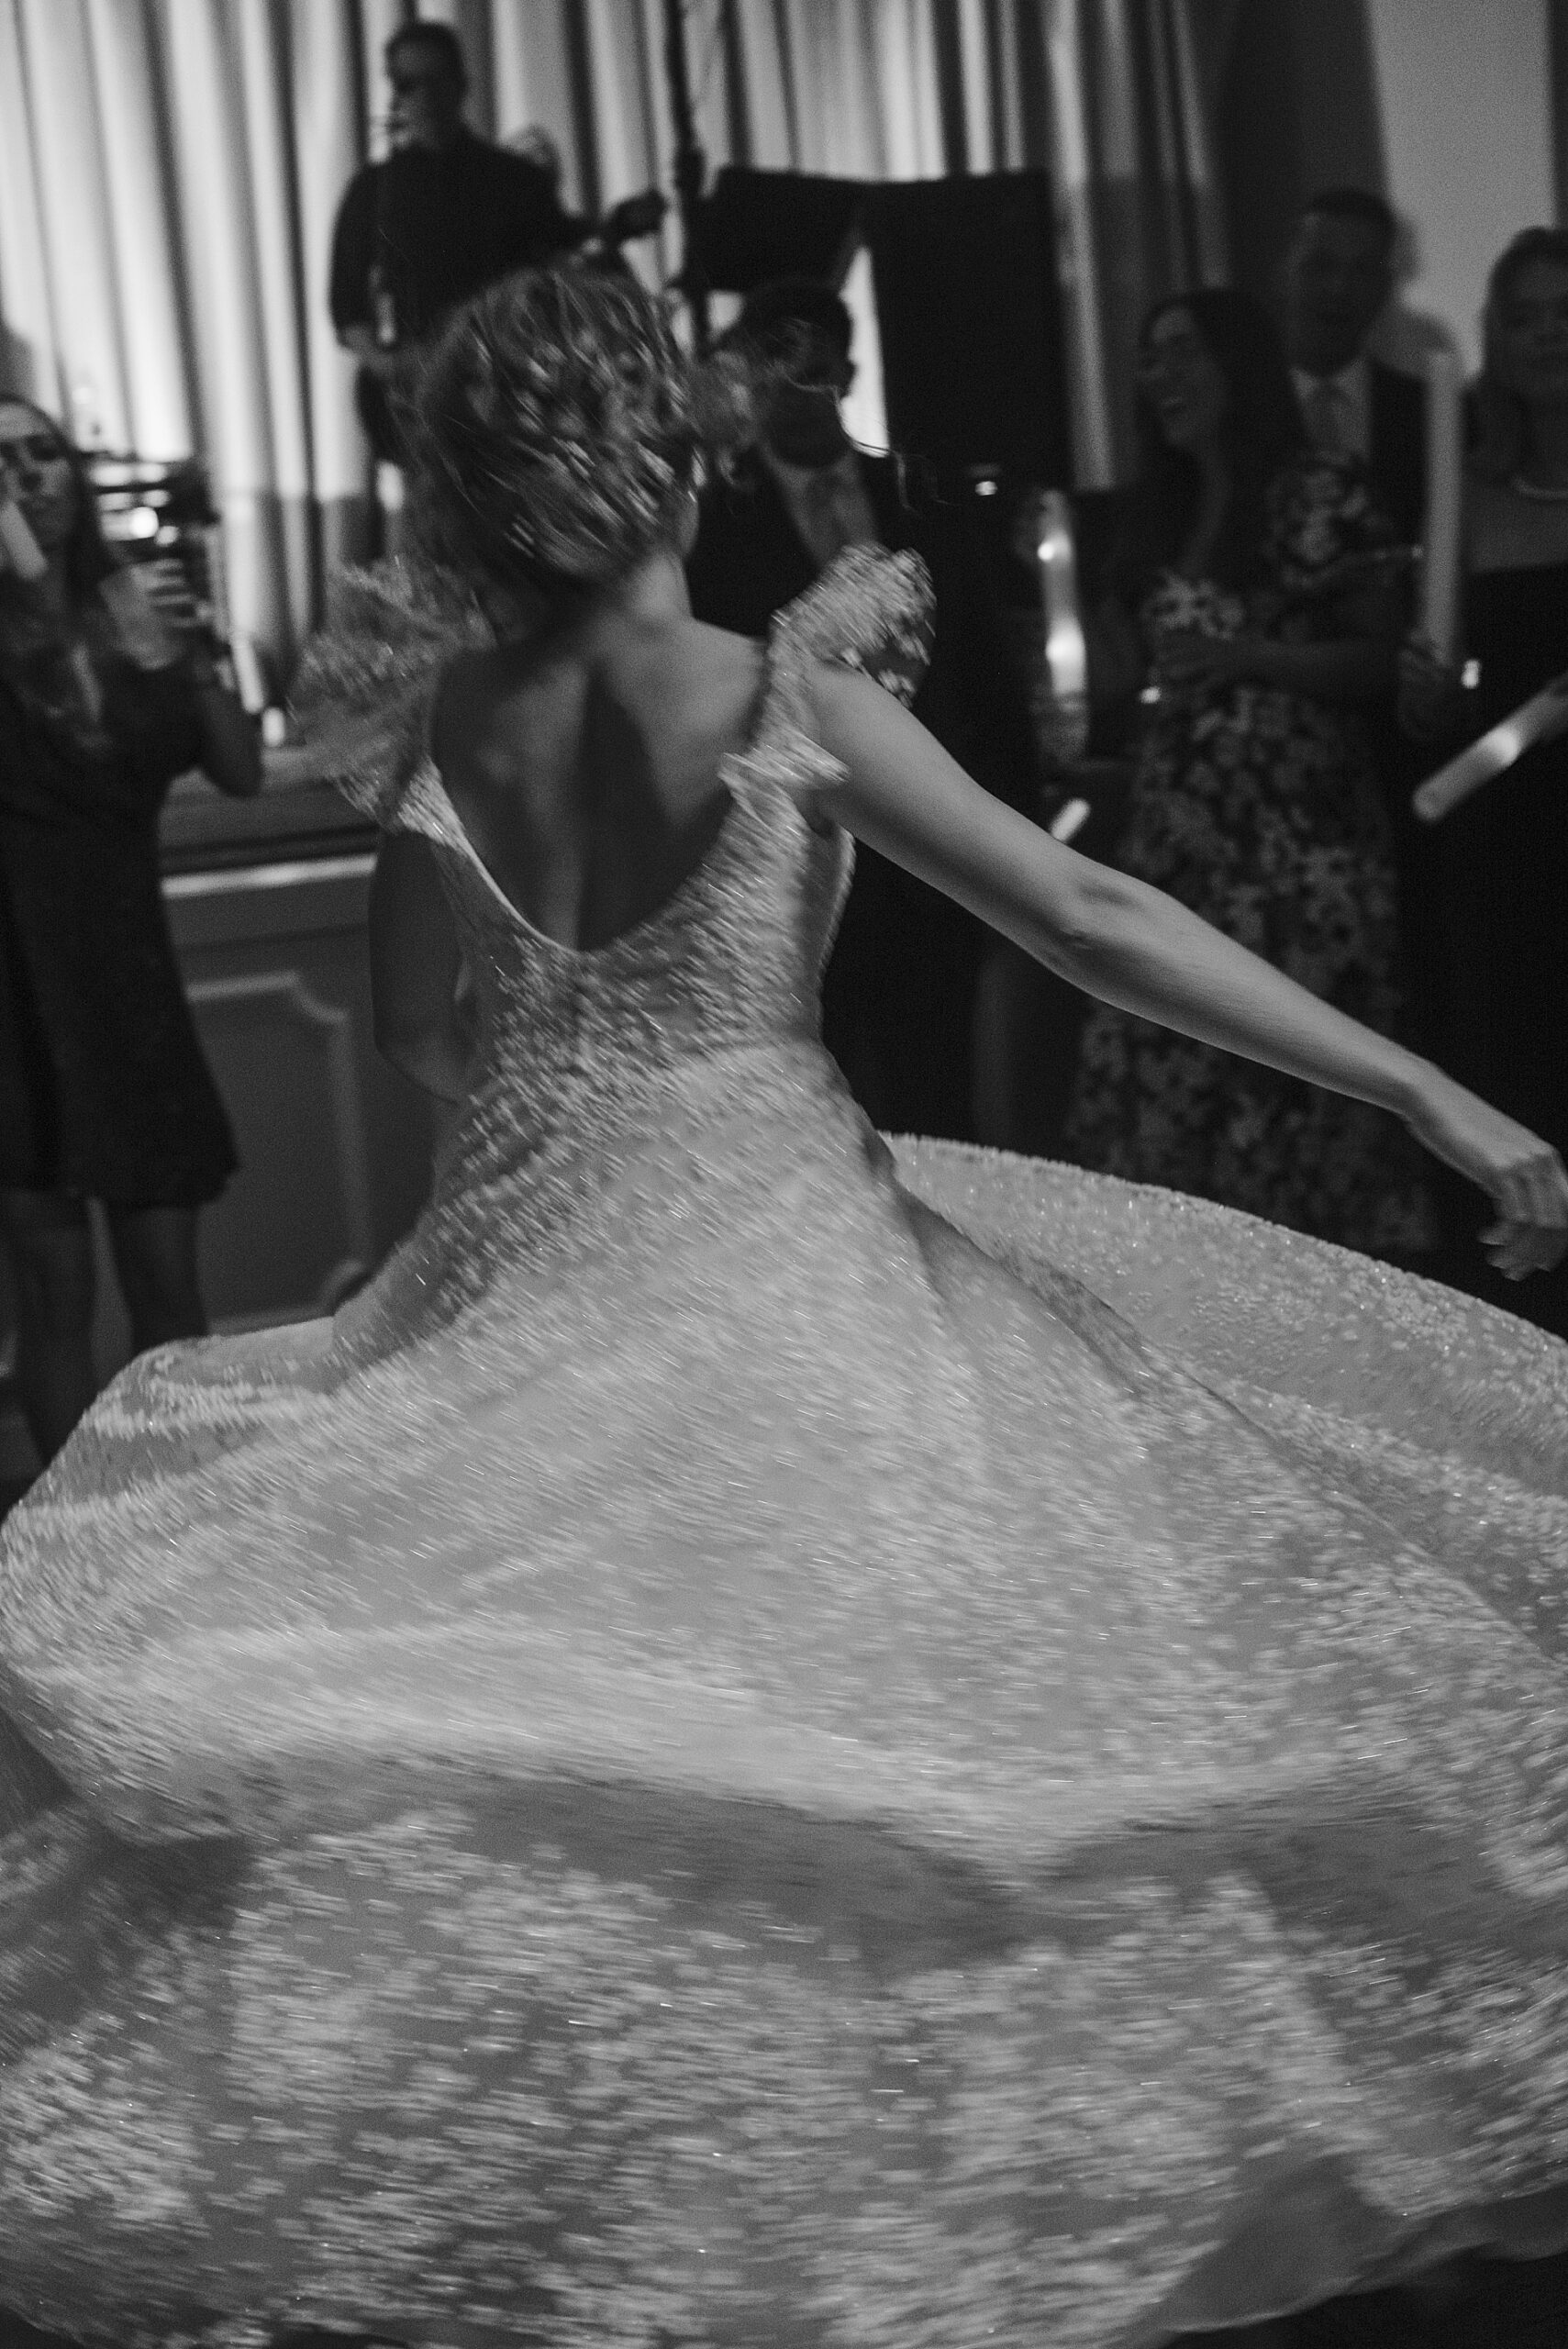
(772, 1738)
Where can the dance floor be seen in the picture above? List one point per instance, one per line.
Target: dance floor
(1495, 2304)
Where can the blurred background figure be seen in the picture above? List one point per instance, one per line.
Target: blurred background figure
(1337, 277)
(1502, 857)
(445, 214)
(108, 692)
(899, 1004)
(632, 217)
(1251, 589)
(537, 146)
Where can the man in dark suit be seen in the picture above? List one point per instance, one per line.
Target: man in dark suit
(899, 997)
(1338, 273)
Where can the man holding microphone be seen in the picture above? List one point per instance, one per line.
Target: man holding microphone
(445, 214)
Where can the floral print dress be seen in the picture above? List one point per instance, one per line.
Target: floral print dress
(1259, 810)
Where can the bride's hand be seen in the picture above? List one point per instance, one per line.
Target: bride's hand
(1522, 1175)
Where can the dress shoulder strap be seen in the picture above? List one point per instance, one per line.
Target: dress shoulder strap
(870, 610)
(363, 694)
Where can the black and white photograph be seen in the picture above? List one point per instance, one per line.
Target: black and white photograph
(784, 1234)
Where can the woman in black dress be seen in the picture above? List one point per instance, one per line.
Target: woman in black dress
(104, 1092)
(1502, 856)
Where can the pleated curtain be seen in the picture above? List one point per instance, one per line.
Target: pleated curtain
(169, 171)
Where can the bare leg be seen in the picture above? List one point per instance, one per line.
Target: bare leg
(155, 1257)
(50, 1244)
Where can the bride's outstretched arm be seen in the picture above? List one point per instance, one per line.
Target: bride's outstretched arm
(416, 970)
(1137, 948)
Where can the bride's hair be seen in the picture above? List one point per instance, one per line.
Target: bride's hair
(558, 426)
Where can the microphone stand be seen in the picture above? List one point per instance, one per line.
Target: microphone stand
(691, 172)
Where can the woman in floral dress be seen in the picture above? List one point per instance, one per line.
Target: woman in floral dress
(1253, 589)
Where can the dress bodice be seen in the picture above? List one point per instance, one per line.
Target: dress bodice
(730, 961)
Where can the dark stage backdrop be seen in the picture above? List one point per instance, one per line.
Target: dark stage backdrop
(969, 307)
(970, 313)
(759, 224)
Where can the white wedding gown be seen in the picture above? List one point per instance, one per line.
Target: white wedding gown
(769, 1739)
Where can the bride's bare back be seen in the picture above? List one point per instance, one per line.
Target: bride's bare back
(585, 763)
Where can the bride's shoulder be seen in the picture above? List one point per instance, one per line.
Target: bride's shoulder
(866, 596)
(696, 676)
(870, 610)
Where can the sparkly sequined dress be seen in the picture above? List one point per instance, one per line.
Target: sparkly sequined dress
(771, 1739)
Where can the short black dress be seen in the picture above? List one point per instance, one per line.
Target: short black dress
(104, 1090)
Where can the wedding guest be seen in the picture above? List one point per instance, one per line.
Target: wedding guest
(445, 213)
(1249, 592)
(900, 1001)
(1339, 274)
(105, 697)
(1503, 855)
